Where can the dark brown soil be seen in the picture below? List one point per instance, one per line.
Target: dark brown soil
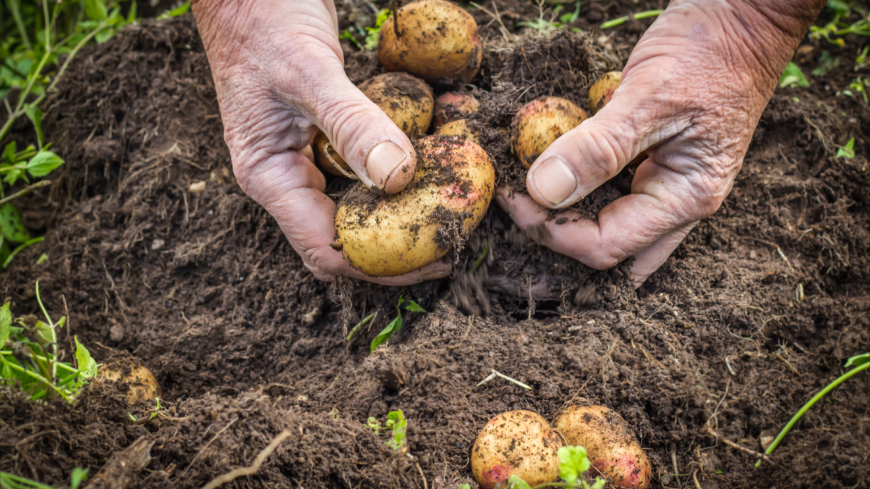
(245, 343)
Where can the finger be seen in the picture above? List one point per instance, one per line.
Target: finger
(290, 188)
(375, 148)
(595, 151)
(650, 259)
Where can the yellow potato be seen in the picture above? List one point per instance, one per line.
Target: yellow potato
(515, 443)
(453, 106)
(437, 41)
(601, 91)
(142, 386)
(458, 128)
(539, 123)
(390, 235)
(608, 443)
(407, 100)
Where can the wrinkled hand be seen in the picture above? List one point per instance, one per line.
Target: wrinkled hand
(279, 75)
(691, 95)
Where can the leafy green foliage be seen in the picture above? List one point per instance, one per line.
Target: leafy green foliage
(396, 422)
(839, 26)
(793, 76)
(544, 25)
(847, 151)
(396, 324)
(176, 12)
(29, 357)
(10, 481)
(858, 361)
(374, 425)
(368, 34)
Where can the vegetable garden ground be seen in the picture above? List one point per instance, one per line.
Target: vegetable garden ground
(755, 312)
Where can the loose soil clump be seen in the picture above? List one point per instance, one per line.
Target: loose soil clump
(756, 311)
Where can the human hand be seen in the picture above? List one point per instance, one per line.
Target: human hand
(279, 75)
(692, 93)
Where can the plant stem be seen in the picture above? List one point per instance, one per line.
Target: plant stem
(25, 191)
(16, 16)
(808, 405)
(622, 20)
(35, 376)
(64, 366)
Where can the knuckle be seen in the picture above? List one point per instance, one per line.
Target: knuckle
(601, 261)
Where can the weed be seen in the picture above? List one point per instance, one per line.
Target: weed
(793, 76)
(369, 34)
(396, 324)
(857, 87)
(639, 16)
(374, 425)
(9, 481)
(861, 59)
(30, 54)
(859, 362)
(396, 422)
(29, 357)
(177, 11)
(543, 25)
(847, 151)
(832, 31)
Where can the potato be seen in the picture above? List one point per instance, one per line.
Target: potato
(453, 106)
(142, 386)
(601, 91)
(437, 41)
(608, 443)
(539, 123)
(458, 128)
(386, 235)
(407, 100)
(328, 159)
(515, 443)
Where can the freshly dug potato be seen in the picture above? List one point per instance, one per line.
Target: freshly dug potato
(601, 91)
(453, 106)
(407, 100)
(515, 443)
(386, 235)
(539, 123)
(437, 41)
(458, 128)
(142, 386)
(608, 443)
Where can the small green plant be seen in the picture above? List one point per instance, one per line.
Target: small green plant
(573, 463)
(396, 324)
(639, 16)
(9, 481)
(861, 59)
(793, 76)
(29, 357)
(374, 425)
(543, 25)
(369, 34)
(826, 64)
(837, 27)
(397, 423)
(859, 362)
(847, 151)
(858, 86)
(176, 12)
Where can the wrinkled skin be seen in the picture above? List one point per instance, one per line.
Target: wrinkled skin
(692, 92)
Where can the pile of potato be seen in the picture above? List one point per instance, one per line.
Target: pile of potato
(522, 443)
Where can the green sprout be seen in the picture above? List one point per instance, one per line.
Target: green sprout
(826, 64)
(369, 34)
(374, 425)
(858, 87)
(861, 59)
(543, 25)
(396, 324)
(28, 357)
(573, 462)
(9, 481)
(832, 31)
(793, 76)
(847, 151)
(176, 12)
(639, 16)
(860, 362)
(396, 422)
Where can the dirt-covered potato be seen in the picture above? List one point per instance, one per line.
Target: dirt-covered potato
(386, 235)
(515, 443)
(407, 100)
(453, 106)
(601, 91)
(142, 386)
(539, 123)
(458, 128)
(437, 41)
(608, 443)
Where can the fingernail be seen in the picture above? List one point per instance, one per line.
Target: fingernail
(554, 180)
(383, 159)
(435, 275)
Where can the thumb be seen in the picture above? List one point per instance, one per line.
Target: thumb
(373, 146)
(598, 149)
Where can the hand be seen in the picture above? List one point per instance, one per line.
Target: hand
(691, 95)
(279, 74)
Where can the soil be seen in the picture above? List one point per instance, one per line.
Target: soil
(754, 313)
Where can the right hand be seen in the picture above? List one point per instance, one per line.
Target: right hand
(279, 74)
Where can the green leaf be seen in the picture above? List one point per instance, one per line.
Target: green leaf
(394, 327)
(847, 151)
(396, 421)
(12, 176)
(5, 325)
(131, 15)
(84, 362)
(516, 483)
(9, 153)
(599, 483)
(793, 76)
(46, 332)
(12, 225)
(177, 11)
(78, 476)
(839, 7)
(855, 361)
(465, 486)
(96, 10)
(35, 116)
(19, 249)
(572, 463)
(413, 306)
(43, 163)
